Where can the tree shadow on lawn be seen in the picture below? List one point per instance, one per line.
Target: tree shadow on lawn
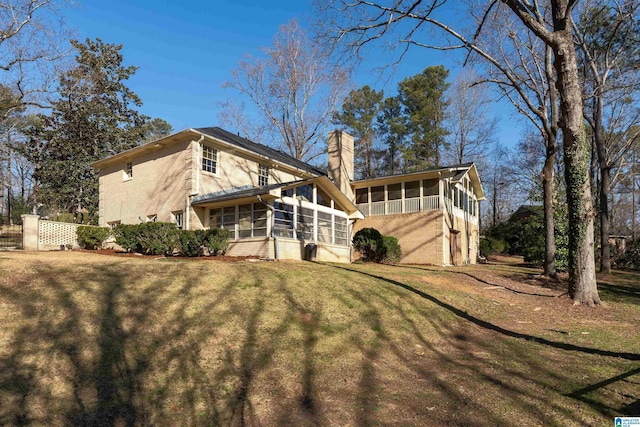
(85, 351)
(581, 394)
(158, 346)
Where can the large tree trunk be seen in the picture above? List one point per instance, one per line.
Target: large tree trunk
(549, 223)
(582, 275)
(605, 224)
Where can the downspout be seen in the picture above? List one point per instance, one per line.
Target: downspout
(187, 202)
(273, 221)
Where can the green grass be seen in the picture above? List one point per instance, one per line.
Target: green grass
(89, 339)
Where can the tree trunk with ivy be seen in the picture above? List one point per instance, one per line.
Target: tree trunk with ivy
(582, 275)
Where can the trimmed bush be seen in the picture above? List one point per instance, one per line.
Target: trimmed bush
(392, 251)
(92, 237)
(127, 237)
(216, 240)
(190, 245)
(370, 244)
(158, 238)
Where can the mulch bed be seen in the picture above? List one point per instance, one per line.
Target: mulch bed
(113, 252)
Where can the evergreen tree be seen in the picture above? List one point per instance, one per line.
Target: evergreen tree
(392, 129)
(94, 117)
(424, 104)
(358, 116)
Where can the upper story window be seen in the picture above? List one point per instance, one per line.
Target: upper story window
(152, 218)
(263, 175)
(209, 159)
(128, 170)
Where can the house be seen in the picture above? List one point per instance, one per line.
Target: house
(275, 205)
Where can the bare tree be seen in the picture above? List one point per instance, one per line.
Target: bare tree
(295, 87)
(609, 48)
(356, 23)
(32, 44)
(471, 127)
(530, 85)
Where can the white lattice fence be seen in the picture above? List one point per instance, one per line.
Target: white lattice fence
(51, 233)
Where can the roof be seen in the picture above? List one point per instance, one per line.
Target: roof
(239, 192)
(220, 135)
(261, 149)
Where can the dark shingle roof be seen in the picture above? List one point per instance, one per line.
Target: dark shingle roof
(238, 192)
(260, 149)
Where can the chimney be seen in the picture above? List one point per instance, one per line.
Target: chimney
(340, 150)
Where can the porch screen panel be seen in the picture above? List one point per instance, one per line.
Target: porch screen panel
(362, 195)
(377, 194)
(244, 221)
(411, 189)
(259, 220)
(430, 187)
(324, 227)
(305, 224)
(283, 221)
(342, 235)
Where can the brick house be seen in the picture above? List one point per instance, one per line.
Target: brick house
(274, 205)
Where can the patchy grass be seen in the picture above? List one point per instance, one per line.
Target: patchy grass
(91, 339)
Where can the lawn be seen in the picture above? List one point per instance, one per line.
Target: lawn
(90, 339)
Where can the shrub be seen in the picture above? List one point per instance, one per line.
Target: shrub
(127, 237)
(216, 240)
(491, 246)
(92, 237)
(158, 238)
(630, 258)
(370, 244)
(189, 243)
(392, 251)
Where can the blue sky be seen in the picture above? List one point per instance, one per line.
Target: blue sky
(185, 51)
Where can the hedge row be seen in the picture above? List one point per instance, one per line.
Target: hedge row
(375, 247)
(158, 238)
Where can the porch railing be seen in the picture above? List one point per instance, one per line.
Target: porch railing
(391, 207)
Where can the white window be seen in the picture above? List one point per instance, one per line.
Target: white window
(128, 170)
(113, 224)
(177, 218)
(263, 175)
(152, 218)
(209, 159)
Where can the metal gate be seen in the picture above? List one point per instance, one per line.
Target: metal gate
(10, 236)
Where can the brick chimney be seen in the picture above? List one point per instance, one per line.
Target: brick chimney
(340, 150)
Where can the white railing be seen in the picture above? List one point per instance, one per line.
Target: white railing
(431, 203)
(412, 205)
(377, 208)
(391, 207)
(394, 207)
(364, 208)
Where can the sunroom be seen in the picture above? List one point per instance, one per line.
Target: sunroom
(278, 221)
